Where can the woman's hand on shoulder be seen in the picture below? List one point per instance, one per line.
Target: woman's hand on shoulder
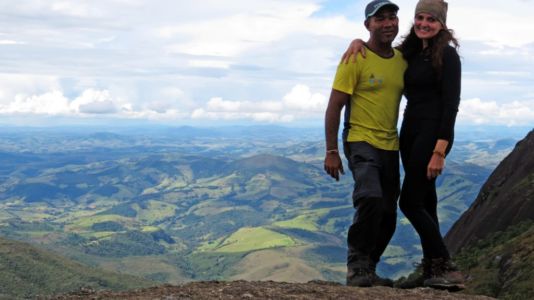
(355, 47)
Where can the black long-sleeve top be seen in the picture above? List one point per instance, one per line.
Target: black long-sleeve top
(430, 96)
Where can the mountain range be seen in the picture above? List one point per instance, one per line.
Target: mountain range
(174, 207)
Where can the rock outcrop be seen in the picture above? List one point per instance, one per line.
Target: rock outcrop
(507, 198)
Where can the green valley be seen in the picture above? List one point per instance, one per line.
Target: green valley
(172, 207)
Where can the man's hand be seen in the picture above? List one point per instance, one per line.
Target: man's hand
(332, 161)
(333, 165)
(355, 47)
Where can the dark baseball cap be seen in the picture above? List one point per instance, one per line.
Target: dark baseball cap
(374, 6)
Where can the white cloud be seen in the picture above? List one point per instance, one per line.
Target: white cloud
(262, 60)
(56, 103)
(51, 103)
(499, 22)
(25, 85)
(160, 106)
(301, 98)
(78, 8)
(299, 103)
(171, 115)
(100, 107)
(167, 100)
(209, 64)
(10, 42)
(270, 117)
(94, 102)
(490, 112)
(218, 104)
(232, 35)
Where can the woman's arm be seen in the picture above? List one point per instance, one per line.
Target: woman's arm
(451, 77)
(355, 47)
(450, 89)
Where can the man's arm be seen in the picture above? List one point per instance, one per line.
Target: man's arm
(332, 162)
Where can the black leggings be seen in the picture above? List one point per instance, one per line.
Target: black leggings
(418, 199)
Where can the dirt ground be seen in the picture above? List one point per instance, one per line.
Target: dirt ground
(267, 290)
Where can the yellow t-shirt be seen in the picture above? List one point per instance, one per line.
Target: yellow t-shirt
(375, 85)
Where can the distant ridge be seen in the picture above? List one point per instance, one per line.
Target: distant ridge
(506, 199)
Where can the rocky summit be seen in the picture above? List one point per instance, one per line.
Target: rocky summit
(270, 290)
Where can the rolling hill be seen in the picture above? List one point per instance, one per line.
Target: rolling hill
(26, 271)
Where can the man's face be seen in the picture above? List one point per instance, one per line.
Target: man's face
(384, 25)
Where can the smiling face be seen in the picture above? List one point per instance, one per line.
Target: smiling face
(384, 25)
(426, 26)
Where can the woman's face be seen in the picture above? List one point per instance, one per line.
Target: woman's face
(426, 26)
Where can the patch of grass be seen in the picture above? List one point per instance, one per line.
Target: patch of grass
(167, 183)
(249, 239)
(305, 222)
(208, 265)
(156, 211)
(502, 264)
(210, 245)
(29, 215)
(88, 221)
(98, 234)
(76, 214)
(150, 229)
(125, 244)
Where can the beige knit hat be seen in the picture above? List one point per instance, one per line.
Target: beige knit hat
(437, 8)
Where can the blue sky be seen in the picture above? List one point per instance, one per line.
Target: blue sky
(234, 61)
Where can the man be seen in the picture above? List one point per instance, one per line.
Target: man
(370, 90)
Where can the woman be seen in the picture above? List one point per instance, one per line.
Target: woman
(432, 89)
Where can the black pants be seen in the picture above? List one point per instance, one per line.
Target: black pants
(376, 189)
(418, 200)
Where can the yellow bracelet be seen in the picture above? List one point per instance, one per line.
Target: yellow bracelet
(442, 154)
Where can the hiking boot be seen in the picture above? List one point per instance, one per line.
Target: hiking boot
(358, 273)
(358, 277)
(445, 276)
(423, 271)
(377, 280)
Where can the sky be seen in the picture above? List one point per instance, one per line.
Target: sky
(213, 62)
